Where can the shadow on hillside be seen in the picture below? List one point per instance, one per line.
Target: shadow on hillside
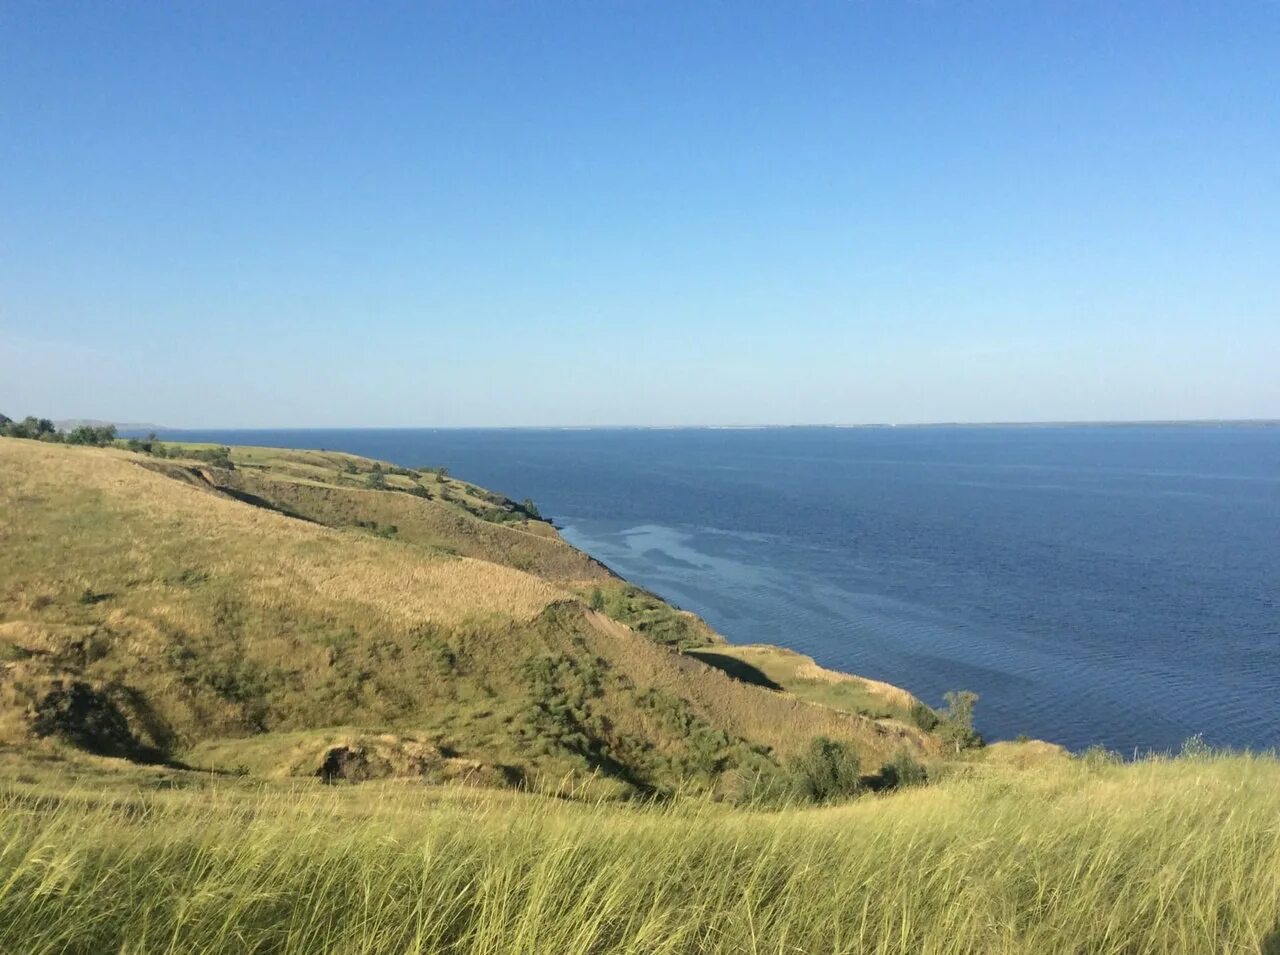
(736, 668)
(90, 718)
(1271, 944)
(246, 498)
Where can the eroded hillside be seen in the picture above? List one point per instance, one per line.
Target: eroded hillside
(317, 614)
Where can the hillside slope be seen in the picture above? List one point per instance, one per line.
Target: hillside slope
(311, 613)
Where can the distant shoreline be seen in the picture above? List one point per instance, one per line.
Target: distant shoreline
(885, 426)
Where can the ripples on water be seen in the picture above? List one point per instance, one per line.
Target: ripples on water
(1113, 584)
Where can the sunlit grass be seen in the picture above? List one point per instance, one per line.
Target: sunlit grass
(1163, 856)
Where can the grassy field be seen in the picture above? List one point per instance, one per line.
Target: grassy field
(1068, 856)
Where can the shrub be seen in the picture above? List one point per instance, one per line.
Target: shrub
(827, 771)
(766, 787)
(376, 480)
(85, 434)
(219, 457)
(957, 725)
(923, 716)
(1098, 756)
(40, 429)
(903, 770)
(1194, 747)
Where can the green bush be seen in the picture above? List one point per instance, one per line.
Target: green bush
(923, 716)
(86, 434)
(903, 770)
(828, 770)
(956, 727)
(39, 429)
(219, 457)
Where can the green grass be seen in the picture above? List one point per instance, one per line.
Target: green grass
(648, 614)
(1163, 856)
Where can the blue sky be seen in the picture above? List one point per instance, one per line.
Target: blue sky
(344, 214)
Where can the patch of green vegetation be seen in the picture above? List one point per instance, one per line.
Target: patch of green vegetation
(924, 716)
(559, 718)
(956, 726)
(650, 615)
(903, 770)
(828, 771)
(705, 750)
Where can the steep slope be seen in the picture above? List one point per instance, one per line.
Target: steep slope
(262, 611)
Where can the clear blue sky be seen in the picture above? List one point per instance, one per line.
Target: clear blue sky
(546, 213)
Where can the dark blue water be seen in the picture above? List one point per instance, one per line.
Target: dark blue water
(1115, 584)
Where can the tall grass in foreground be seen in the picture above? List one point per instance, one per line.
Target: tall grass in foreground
(1162, 856)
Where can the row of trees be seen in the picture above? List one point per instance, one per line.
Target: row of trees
(42, 429)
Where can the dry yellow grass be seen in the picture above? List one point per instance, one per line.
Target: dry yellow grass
(147, 517)
(1166, 857)
(531, 546)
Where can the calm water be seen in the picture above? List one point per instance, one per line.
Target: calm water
(1094, 584)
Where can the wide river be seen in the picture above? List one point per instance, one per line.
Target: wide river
(1095, 584)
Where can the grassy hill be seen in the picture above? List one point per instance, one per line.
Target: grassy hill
(194, 640)
(317, 614)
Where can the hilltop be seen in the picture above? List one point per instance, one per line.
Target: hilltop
(316, 614)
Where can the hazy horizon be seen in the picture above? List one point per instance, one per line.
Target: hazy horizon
(694, 426)
(581, 215)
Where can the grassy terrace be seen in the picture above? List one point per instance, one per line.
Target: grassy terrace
(1064, 856)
